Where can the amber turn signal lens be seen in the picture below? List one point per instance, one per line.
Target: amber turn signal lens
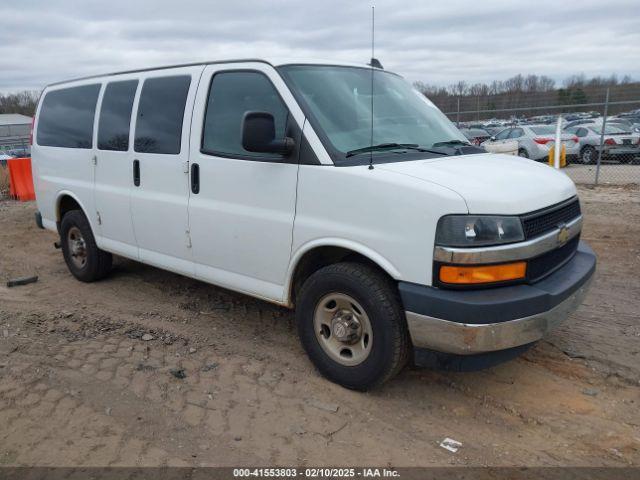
(483, 273)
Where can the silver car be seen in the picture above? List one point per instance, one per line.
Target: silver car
(535, 141)
(626, 124)
(618, 144)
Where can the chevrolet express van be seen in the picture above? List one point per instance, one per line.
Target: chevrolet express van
(334, 189)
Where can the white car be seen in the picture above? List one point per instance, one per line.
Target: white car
(262, 177)
(535, 141)
(618, 144)
(508, 147)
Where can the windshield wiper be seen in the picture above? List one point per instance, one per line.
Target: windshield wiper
(384, 146)
(450, 143)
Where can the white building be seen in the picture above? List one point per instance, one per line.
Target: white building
(14, 130)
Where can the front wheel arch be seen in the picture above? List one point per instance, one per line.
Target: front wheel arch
(314, 256)
(66, 202)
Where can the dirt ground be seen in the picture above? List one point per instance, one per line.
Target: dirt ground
(81, 386)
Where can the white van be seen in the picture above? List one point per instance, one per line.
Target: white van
(391, 236)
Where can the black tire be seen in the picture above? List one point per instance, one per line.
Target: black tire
(97, 263)
(378, 296)
(523, 153)
(588, 155)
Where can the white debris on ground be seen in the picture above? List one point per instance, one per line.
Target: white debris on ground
(450, 444)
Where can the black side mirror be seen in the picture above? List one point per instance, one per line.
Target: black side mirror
(259, 135)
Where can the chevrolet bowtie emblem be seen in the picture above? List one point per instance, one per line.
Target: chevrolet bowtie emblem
(563, 235)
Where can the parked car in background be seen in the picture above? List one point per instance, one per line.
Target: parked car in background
(509, 147)
(3, 159)
(494, 130)
(476, 136)
(19, 152)
(535, 141)
(620, 145)
(619, 122)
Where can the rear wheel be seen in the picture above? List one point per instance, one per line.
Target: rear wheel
(352, 325)
(84, 259)
(588, 155)
(523, 153)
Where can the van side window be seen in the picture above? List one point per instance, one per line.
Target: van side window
(115, 115)
(231, 95)
(66, 117)
(160, 114)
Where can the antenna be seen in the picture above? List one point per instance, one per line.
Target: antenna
(373, 26)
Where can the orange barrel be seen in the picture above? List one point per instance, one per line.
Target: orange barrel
(21, 179)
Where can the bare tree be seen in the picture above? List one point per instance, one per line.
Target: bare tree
(24, 102)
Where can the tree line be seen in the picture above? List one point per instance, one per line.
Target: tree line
(521, 95)
(500, 98)
(24, 102)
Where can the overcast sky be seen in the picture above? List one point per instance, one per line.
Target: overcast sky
(437, 42)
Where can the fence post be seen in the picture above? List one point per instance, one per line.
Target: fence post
(604, 124)
(458, 115)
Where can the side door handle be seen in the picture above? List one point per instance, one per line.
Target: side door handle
(136, 172)
(195, 178)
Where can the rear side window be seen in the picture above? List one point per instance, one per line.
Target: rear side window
(66, 117)
(160, 114)
(115, 115)
(231, 95)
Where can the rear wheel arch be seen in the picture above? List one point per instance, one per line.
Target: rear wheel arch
(65, 203)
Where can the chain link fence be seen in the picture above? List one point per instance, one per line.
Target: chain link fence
(600, 127)
(14, 141)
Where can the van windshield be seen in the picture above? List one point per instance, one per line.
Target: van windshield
(338, 102)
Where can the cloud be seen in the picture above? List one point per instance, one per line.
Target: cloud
(435, 42)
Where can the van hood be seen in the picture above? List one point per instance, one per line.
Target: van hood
(491, 183)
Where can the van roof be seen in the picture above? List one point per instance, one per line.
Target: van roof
(274, 61)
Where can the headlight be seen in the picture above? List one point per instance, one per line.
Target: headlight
(478, 230)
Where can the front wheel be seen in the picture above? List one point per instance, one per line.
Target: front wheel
(352, 325)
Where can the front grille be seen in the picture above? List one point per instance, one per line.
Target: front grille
(543, 221)
(543, 265)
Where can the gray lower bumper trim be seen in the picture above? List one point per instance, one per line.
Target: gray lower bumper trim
(467, 339)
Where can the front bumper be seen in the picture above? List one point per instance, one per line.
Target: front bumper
(467, 322)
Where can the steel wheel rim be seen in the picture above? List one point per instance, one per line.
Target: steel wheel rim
(77, 247)
(343, 329)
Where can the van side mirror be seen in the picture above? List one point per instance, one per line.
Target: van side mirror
(492, 138)
(259, 135)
